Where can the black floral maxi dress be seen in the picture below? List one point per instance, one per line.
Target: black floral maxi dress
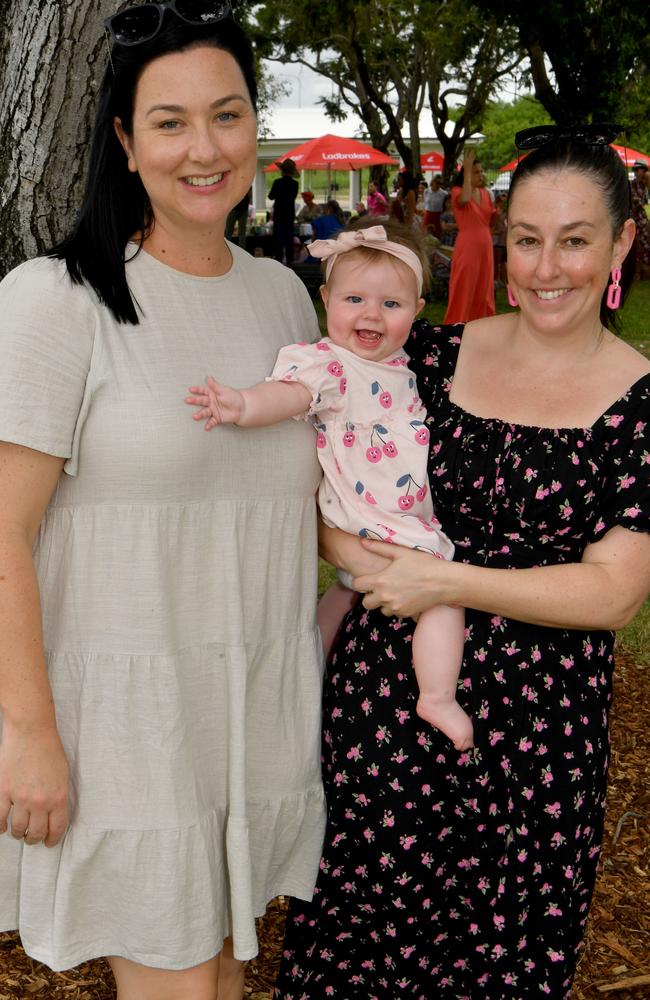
(466, 875)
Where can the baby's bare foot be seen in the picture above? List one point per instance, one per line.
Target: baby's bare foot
(449, 718)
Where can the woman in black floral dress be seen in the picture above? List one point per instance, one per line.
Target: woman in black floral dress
(467, 875)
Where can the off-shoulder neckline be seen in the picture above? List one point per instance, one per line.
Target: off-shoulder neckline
(531, 427)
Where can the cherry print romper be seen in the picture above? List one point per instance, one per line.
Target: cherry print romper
(469, 875)
(372, 443)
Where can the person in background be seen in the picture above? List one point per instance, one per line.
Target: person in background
(377, 204)
(238, 219)
(471, 285)
(159, 761)
(640, 188)
(434, 199)
(499, 240)
(330, 222)
(448, 225)
(445, 874)
(407, 199)
(310, 209)
(283, 194)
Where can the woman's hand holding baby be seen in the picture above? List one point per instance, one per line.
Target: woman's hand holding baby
(411, 583)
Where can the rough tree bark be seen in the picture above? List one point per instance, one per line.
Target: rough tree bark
(52, 57)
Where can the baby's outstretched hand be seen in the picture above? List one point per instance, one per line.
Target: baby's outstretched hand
(220, 404)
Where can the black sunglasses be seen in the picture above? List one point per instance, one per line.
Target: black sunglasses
(142, 23)
(598, 134)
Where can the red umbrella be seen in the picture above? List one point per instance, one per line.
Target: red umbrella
(332, 152)
(432, 161)
(628, 156)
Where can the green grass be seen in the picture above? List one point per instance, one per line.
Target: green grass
(635, 330)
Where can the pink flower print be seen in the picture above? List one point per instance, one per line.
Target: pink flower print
(614, 420)
(510, 649)
(373, 770)
(567, 662)
(498, 951)
(354, 753)
(384, 689)
(566, 510)
(555, 956)
(527, 793)
(369, 835)
(542, 493)
(553, 809)
(530, 474)
(553, 910)
(380, 735)
(407, 951)
(341, 778)
(525, 744)
(402, 715)
(457, 433)
(522, 856)
(407, 841)
(386, 861)
(480, 655)
(389, 818)
(624, 482)
(496, 737)
(499, 921)
(365, 705)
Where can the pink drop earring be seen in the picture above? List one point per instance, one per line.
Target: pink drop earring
(511, 299)
(614, 290)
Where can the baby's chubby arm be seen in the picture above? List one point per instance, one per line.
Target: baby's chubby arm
(258, 406)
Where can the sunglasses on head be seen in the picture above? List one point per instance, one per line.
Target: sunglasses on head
(142, 23)
(598, 134)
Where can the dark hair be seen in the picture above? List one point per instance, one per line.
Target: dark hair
(398, 232)
(115, 206)
(602, 165)
(408, 182)
(332, 207)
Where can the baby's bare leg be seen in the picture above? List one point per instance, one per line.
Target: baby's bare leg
(332, 609)
(437, 656)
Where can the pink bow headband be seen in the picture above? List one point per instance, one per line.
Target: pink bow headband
(374, 237)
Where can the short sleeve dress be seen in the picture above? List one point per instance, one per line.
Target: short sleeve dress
(471, 284)
(469, 875)
(178, 574)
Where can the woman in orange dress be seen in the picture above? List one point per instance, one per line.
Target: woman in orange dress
(471, 286)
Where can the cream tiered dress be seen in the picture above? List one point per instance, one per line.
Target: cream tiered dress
(178, 575)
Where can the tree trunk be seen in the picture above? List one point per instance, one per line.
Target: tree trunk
(52, 57)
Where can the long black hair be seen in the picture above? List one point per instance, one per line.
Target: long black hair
(603, 166)
(115, 206)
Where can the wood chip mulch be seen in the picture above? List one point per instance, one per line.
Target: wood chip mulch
(616, 960)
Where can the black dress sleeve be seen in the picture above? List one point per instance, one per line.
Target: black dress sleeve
(626, 494)
(433, 351)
